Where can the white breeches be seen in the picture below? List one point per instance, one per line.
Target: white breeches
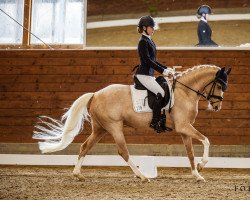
(150, 83)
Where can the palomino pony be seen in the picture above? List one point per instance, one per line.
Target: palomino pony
(111, 108)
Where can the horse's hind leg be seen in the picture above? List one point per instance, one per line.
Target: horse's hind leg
(116, 130)
(96, 135)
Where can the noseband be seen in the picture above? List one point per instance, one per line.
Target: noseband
(211, 92)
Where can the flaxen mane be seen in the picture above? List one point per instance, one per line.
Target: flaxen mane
(197, 67)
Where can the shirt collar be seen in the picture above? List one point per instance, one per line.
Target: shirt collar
(146, 35)
(203, 19)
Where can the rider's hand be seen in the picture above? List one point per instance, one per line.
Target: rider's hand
(168, 71)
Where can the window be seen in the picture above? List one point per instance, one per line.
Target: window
(10, 31)
(58, 21)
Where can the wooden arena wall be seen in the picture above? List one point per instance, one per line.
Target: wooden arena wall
(44, 82)
(110, 7)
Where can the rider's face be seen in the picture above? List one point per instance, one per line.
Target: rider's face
(207, 16)
(150, 30)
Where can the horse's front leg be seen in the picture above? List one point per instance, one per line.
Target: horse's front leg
(204, 159)
(187, 141)
(188, 131)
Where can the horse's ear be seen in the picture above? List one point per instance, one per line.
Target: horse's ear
(222, 69)
(228, 71)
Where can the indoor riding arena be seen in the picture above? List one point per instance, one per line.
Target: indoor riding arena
(55, 53)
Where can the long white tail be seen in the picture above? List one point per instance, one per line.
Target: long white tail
(59, 134)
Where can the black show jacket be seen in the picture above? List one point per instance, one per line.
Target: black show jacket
(204, 34)
(147, 53)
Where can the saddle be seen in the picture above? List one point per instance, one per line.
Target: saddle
(166, 103)
(151, 96)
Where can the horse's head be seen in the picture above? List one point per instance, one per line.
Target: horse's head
(216, 88)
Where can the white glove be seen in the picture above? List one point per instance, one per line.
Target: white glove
(168, 71)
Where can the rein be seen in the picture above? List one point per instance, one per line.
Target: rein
(197, 92)
(210, 94)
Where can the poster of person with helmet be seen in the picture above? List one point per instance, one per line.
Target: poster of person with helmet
(204, 31)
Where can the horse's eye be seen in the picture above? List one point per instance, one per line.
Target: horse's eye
(219, 87)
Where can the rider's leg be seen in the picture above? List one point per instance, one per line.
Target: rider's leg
(155, 123)
(150, 83)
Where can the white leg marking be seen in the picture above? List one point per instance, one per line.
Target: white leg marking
(77, 169)
(204, 159)
(136, 170)
(196, 174)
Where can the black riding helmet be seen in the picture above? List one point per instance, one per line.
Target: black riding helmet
(204, 9)
(146, 21)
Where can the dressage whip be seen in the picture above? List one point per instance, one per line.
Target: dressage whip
(26, 29)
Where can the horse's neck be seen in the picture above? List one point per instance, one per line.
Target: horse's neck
(197, 80)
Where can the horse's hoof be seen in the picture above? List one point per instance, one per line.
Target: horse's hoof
(135, 176)
(79, 177)
(200, 179)
(199, 167)
(145, 180)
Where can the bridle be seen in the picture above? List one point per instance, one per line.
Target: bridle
(210, 95)
(211, 92)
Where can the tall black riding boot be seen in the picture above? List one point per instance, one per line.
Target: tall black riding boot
(155, 123)
(163, 118)
(163, 122)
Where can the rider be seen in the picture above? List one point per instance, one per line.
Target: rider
(145, 72)
(204, 31)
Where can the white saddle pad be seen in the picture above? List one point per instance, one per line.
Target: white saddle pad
(140, 100)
